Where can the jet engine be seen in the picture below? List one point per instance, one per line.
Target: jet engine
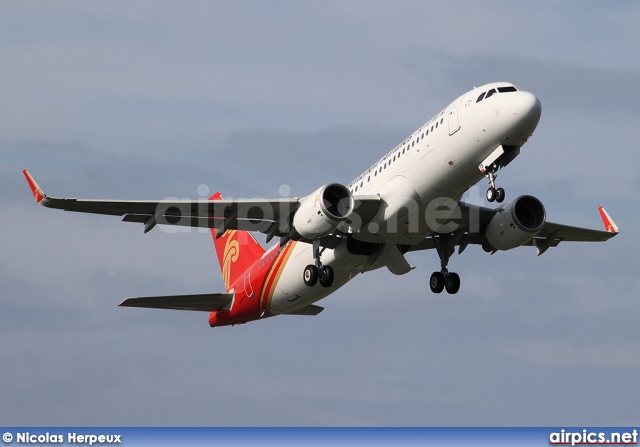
(515, 224)
(322, 211)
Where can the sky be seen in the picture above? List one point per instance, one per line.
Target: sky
(153, 99)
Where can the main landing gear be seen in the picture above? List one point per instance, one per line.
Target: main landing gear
(318, 272)
(444, 279)
(494, 194)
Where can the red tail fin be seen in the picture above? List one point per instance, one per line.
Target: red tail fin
(237, 250)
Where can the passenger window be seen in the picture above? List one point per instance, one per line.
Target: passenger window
(490, 92)
(436, 125)
(481, 97)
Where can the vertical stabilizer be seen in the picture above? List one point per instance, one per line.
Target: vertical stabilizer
(237, 251)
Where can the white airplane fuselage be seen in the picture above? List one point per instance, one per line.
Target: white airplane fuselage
(438, 161)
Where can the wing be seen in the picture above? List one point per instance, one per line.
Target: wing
(550, 235)
(270, 216)
(207, 302)
(252, 215)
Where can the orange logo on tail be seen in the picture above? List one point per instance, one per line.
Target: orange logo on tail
(231, 254)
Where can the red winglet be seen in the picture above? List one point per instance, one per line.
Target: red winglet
(35, 189)
(608, 222)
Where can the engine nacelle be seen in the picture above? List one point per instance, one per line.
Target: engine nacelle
(322, 211)
(515, 224)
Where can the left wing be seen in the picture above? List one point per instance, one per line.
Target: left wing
(550, 235)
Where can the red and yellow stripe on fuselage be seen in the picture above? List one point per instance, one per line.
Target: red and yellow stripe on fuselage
(262, 276)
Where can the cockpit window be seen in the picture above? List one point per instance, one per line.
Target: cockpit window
(485, 95)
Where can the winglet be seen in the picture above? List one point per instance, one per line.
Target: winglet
(35, 189)
(608, 222)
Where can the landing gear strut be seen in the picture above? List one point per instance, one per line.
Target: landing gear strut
(318, 272)
(444, 280)
(493, 193)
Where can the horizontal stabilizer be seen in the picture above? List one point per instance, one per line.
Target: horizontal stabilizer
(207, 302)
(311, 309)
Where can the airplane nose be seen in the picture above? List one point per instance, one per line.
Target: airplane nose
(528, 108)
(524, 112)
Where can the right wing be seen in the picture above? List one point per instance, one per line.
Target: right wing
(270, 216)
(251, 215)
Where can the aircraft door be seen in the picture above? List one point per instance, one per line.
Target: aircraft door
(454, 123)
(248, 288)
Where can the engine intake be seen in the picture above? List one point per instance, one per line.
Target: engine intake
(320, 212)
(515, 224)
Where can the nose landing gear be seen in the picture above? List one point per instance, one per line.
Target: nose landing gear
(494, 194)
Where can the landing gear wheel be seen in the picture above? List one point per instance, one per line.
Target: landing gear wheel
(326, 276)
(436, 282)
(452, 283)
(445, 246)
(310, 275)
(491, 194)
(500, 195)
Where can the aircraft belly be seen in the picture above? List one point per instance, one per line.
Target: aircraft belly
(292, 293)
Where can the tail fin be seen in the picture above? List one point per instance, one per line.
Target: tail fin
(237, 250)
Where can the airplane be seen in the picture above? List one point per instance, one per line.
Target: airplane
(408, 200)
